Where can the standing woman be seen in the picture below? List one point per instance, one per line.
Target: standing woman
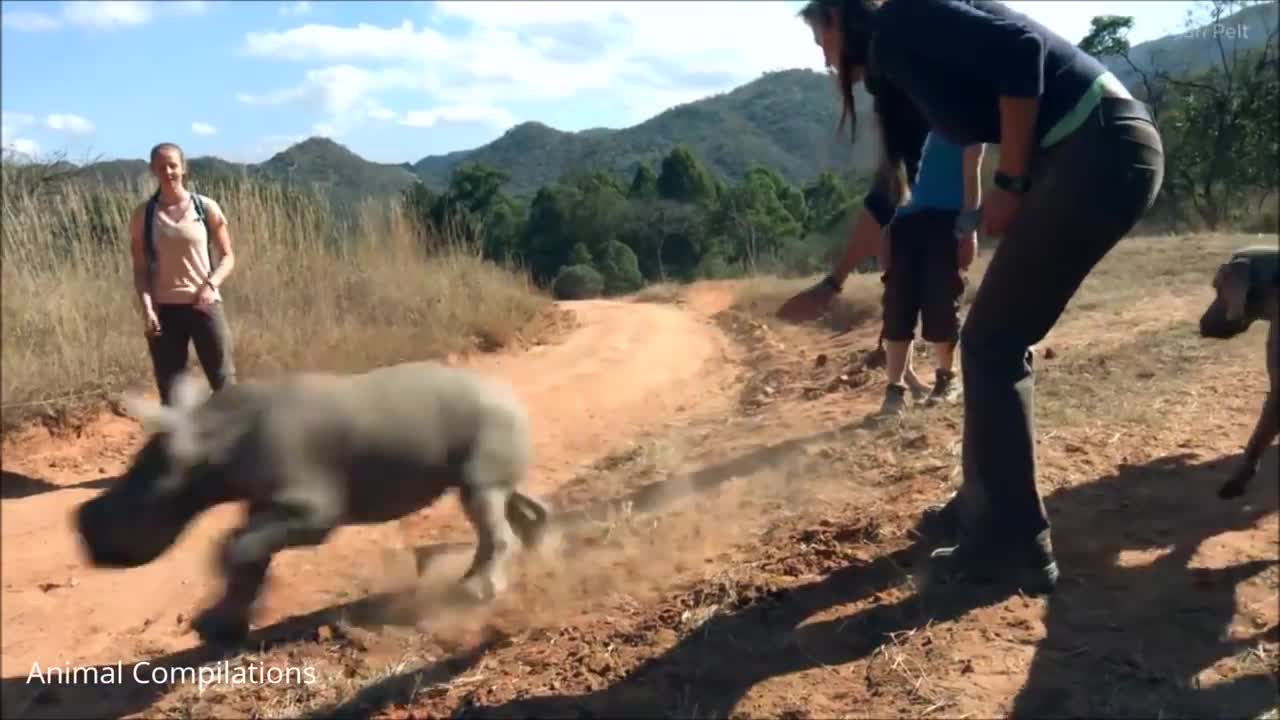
(1080, 162)
(177, 286)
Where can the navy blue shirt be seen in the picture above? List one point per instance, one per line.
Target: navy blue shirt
(956, 58)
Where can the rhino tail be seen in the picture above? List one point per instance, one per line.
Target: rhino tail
(529, 518)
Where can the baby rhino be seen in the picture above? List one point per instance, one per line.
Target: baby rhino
(311, 452)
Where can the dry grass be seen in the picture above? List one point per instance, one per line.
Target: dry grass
(307, 292)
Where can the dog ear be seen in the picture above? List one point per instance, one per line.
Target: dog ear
(1232, 283)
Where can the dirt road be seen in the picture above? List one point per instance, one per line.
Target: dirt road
(627, 369)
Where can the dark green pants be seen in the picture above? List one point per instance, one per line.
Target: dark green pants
(1088, 192)
(206, 328)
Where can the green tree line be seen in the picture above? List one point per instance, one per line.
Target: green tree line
(589, 234)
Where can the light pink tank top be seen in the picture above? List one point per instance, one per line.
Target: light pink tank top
(182, 255)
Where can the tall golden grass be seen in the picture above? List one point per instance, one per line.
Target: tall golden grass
(308, 291)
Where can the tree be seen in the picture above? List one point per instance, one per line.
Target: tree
(683, 179)
(752, 219)
(1217, 122)
(827, 202)
(644, 184)
(1109, 37)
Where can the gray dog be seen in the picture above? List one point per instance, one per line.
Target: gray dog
(1247, 289)
(309, 453)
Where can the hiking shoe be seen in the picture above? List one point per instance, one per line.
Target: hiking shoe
(895, 400)
(945, 388)
(1029, 567)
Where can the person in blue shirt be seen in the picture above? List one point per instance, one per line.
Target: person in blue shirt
(1080, 163)
(925, 265)
(923, 259)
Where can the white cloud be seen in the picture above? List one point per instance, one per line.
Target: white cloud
(23, 146)
(492, 115)
(203, 128)
(12, 123)
(339, 89)
(362, 42)
(299, 7)
(29, 21)
(344, 95)
(68, 123)
(520, 52)
(107, 13)
(100, 14)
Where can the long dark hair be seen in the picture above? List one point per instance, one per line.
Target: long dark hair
(902, 129)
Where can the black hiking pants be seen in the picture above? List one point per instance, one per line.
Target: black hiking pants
(1088, 191)
(205, 327)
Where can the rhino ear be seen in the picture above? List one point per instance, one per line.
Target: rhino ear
(155, 418)
(186, 394)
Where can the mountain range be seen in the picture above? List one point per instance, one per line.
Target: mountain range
(785, 120)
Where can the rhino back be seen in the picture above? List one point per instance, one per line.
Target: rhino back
(416, 414)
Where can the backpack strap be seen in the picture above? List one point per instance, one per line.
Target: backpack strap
(198, 203)
(148, 242)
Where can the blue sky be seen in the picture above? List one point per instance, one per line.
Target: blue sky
(394, 81)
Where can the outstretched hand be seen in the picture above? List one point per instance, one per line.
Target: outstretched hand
(807, 304)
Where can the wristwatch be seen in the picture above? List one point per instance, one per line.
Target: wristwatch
(1009, 183)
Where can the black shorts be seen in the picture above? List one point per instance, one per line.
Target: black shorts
(924, 278)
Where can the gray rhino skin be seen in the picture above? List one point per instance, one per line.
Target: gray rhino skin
(311, 452)
(1246, 290)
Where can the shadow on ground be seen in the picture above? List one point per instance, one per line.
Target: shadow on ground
(1175, 617)
(16, 485)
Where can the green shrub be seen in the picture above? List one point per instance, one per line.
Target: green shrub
(577, 282)
(620, 268)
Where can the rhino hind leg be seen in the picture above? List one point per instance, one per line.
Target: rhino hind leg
(486, 509)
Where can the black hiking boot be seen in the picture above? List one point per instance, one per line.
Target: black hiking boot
(1029, 567)
(945, 388)
(895, 400)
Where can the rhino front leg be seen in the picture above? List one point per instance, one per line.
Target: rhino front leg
(247, 554)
